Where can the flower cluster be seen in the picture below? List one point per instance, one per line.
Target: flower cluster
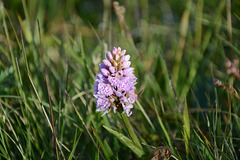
(114, 87)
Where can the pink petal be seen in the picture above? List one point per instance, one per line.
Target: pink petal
(126, 64)
(107, 63)
(113, 80)
(128, 71)
(112, 69)
(125, 58)
(105, 72)
(108, 90)
(109, 56)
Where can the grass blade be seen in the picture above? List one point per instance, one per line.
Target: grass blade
(75, 145)
(49, 99)
(18, 146)
(107, 155)
(83, 123)
(145, 115)
(186, 127)
(126, 141)
(164, 129)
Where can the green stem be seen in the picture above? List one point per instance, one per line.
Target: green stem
(131, 131)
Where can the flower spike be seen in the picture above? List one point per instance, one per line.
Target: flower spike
(114, 87)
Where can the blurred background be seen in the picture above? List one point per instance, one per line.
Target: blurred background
(199, 39)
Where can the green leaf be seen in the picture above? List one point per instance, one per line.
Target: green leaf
(126, 141)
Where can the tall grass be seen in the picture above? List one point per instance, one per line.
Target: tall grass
(177, 49)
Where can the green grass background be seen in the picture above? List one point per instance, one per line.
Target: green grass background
(195, 36)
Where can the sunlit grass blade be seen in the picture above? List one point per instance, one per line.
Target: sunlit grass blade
(145, 114)
(207, 153)
(164, 130)
(186, 127)
(44, 111)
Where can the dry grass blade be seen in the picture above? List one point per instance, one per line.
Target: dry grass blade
(187, 143)
(233, 67)
(49, 99)
(161, 152)
(120, 11)
(228, 87)
(45, 113)
(205, 138)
